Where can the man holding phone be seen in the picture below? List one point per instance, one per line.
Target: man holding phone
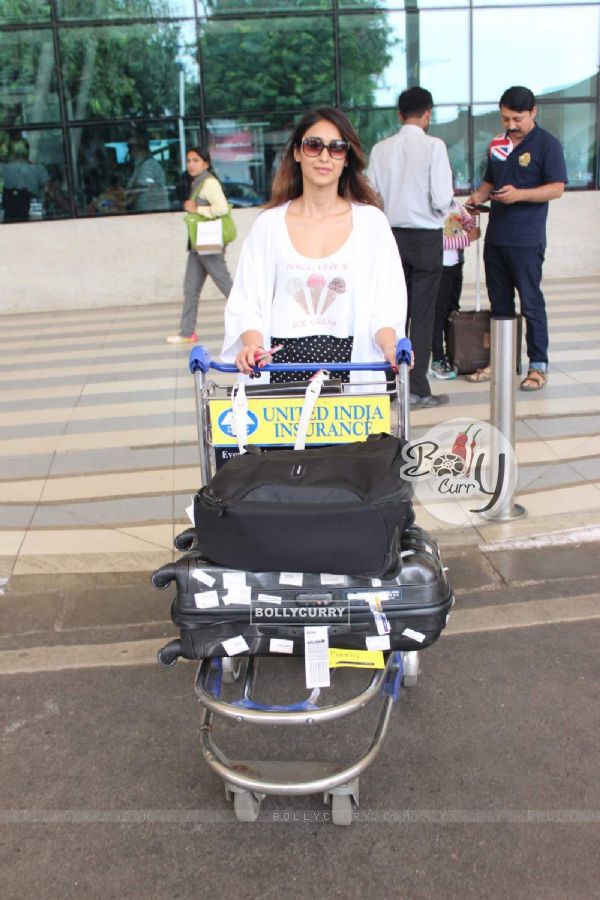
(525, 170)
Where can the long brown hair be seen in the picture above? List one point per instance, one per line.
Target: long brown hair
(353, 184)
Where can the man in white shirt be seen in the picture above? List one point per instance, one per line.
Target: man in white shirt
(411, 171)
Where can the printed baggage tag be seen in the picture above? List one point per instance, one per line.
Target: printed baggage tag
(234, 580)
(381, 620)
(190, 511)
(332, 579)
(241, 596)
(269, 598)
(378, 642)
(294, 578)
(206, 599)
(356, 659)
(316, 657)
(204, 577)
(235, 645)
(414, 635)
(280, 645)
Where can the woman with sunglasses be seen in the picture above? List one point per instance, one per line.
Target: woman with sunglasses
(319, 272)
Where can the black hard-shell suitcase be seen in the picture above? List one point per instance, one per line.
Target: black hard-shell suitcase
(269, 608)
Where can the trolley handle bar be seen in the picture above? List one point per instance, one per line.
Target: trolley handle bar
(200, 360)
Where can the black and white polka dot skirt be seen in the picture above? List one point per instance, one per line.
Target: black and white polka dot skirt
(315, 348)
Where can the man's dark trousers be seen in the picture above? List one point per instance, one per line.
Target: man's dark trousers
(422, 254)
(507, 268)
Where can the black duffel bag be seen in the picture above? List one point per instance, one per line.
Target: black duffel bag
(337, 509)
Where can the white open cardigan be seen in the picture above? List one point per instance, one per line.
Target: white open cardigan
(379, 286)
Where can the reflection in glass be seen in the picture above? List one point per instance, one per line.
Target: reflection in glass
(529, 2)
(574, 124)
(451, 124)
(542, 57)
(18, 12)
(123, 9)
(214, 7)
(430, 49)
(242, 155)
(253, 64)
(28, 78)
(33, 176)
(119, 169)
(399, 4)
(374, 125)
(129, 70)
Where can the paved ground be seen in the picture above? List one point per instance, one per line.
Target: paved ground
(487, 785)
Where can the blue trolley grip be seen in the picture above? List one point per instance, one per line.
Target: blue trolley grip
(404, 351)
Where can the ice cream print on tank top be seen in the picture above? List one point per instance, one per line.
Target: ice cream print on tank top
(313, 296)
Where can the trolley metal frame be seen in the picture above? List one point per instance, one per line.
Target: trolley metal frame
(247, 782)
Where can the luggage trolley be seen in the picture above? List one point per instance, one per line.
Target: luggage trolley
(248, 782)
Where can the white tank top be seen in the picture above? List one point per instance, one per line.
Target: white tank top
(313, 296)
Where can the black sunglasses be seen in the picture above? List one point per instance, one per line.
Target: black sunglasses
(314, 146)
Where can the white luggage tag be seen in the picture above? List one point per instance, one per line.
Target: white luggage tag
(381, 620)
(310, 398)
(239, 408)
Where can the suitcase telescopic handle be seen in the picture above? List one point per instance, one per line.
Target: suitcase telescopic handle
(200, 360)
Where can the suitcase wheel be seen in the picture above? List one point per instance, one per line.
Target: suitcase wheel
(168, 655)
(163, 577)
(185, 541)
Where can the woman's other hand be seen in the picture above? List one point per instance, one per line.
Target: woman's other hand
(252, 349)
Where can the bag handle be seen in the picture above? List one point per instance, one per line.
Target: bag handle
(239, 407)
(310, 398)
(200, 183)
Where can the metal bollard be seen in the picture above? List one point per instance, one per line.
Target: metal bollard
(503, 397)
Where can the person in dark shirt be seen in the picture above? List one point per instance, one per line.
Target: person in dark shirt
(525, 170)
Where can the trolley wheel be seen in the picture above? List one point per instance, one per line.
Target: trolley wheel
(246, 806)
(233, 669)
(412, 668)
(342, 809)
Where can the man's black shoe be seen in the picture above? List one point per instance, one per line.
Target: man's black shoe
(429, 402)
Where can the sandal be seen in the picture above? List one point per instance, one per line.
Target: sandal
(480, 375)
(536, 379)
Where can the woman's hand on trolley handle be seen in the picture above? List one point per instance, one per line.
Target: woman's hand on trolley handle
(386, 341)
(252, 354)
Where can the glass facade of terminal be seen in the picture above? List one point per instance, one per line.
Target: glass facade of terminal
(100, 98)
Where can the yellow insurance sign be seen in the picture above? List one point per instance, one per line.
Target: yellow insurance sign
(335, 420)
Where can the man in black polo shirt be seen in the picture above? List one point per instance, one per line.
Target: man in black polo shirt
(525, 169)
